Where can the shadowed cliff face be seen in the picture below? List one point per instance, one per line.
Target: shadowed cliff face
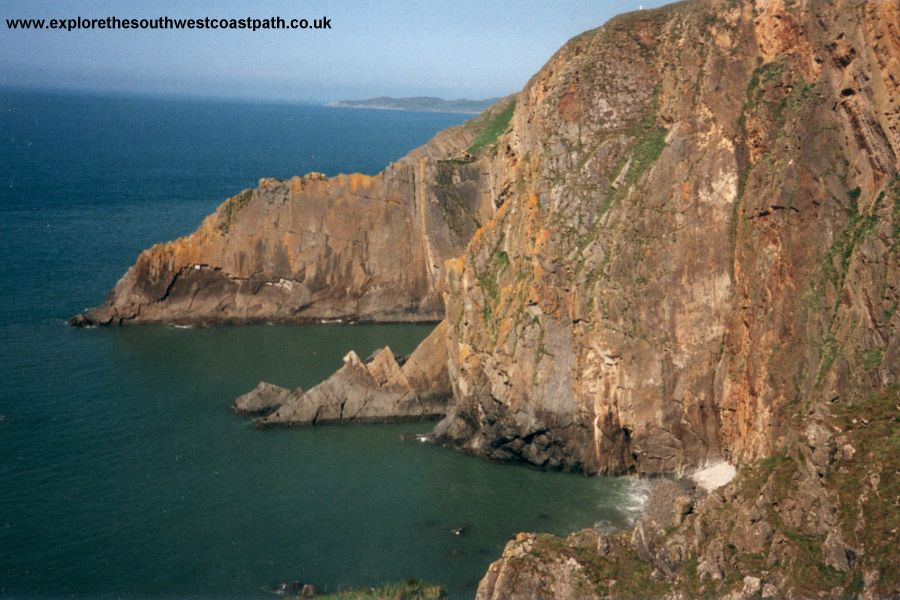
(351, 247)
(695, 241)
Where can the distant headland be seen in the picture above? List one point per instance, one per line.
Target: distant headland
(418, 103)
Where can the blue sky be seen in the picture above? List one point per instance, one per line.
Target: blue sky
(444, 48)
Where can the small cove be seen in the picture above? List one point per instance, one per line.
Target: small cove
(139, 481)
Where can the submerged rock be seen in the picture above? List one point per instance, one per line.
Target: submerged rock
(293, 590)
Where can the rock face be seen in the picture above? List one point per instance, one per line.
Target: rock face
(696, 238)
(379, 389)
(819, 519)
(699, 261)
(264, 399)
(352, 247)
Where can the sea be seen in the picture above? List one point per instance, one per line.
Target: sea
(123, 471)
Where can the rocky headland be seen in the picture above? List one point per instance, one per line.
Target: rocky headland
(312, 248)
(675, 247)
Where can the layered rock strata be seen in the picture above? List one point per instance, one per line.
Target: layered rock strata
(380, 389)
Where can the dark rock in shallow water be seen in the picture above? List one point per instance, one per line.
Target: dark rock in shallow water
(376, 390)
(80, 320)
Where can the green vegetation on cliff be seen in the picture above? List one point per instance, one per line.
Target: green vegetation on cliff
(493, 128)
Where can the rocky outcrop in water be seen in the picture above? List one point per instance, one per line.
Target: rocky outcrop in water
(351, 247)
(380, 389)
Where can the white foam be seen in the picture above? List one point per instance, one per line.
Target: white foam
(637, 495)
(714, 476)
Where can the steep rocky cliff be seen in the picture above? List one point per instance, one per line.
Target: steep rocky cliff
(695, 241)
(677, 244)
(818, 519)
(351, 247)
(697, 259)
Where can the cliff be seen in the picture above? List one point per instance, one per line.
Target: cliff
(676, 245)
(818, 519)
(351, 247)
(698, 261)
(695, 242)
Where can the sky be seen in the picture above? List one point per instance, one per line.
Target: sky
(453, 49)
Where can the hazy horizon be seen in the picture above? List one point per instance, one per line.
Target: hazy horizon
(470, 50)
(150, 93)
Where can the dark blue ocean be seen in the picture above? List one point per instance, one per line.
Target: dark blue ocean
(123, 472)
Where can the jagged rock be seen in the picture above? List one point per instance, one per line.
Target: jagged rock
(603, 545)
(712, 564)
(670, 556)
(643, 538)
(755, 538)
(584, 538)
(822, 445)
(682, 507)
(512, 576)
(750, 588)
(376, 390)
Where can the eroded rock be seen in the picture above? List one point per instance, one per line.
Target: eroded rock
(379, 389)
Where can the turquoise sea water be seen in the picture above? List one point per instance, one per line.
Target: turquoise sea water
(123, 473)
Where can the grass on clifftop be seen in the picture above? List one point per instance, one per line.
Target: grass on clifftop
(493, 128)
(411, 589)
